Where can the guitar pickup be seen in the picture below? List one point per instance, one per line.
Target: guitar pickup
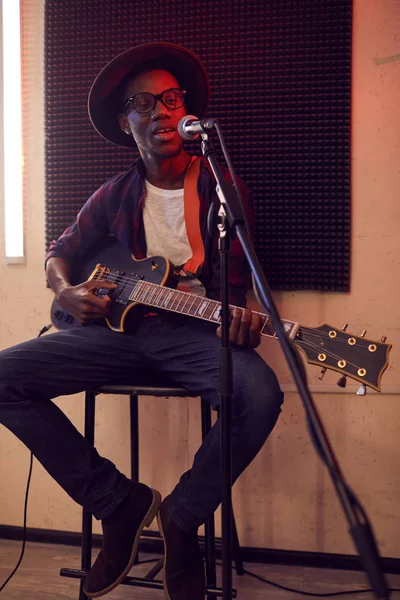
(125, 289)
(115, 276)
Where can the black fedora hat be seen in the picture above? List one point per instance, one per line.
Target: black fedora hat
(104, 102)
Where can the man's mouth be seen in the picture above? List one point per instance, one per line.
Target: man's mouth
(164, 129)
(164, 133)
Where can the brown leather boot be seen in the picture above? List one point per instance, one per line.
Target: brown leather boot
(121, 533)
(183, 575)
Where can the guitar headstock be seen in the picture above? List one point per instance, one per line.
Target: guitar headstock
(354, 356)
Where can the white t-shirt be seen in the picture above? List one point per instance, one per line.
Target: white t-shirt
(165, 229)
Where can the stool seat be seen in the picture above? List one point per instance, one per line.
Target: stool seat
(146, 386)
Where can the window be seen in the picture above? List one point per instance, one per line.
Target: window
(12, 132)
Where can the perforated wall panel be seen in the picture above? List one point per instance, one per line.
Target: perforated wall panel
(280, 73)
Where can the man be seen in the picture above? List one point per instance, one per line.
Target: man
(139, 98)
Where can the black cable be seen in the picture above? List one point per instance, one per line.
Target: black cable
(3, 585)
(45, 328)
(24, 532)
(313, 594)
(288, 589)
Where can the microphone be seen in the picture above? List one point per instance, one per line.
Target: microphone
(190, 127)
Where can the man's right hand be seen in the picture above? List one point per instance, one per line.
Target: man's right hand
(82, 303)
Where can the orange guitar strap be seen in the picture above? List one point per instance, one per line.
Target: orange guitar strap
(191, 204)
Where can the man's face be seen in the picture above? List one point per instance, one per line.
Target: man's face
(155, 133)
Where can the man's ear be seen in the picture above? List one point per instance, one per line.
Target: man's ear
(123, 123)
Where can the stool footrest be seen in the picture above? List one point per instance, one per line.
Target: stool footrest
(154, 584)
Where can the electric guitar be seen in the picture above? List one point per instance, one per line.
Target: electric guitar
(147, 281)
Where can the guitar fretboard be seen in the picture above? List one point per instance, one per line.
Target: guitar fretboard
(192, 305)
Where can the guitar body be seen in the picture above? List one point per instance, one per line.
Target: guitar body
(125, 270)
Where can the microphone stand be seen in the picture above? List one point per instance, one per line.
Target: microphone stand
(225, 414)
(232, 218)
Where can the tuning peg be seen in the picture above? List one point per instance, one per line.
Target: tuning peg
(362, 390)
(342, 381)
(383, 339)
(345, 326)
(321, 375)
(364, 331)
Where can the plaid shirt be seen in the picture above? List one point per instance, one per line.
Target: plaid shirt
(117, 208)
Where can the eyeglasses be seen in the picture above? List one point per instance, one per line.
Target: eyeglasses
(145, 102)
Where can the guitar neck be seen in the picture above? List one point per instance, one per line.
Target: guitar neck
(192, 305)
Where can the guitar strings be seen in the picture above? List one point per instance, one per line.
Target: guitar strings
(265, 317)
(323, 335)
(306, 343)
(135, 280)
(312, 330)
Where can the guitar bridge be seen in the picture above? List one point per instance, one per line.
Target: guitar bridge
(99, 273)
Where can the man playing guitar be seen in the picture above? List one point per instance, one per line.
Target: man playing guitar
(158, 206)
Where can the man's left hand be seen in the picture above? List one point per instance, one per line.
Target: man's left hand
(244, 329)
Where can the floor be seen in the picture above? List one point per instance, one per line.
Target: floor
(38, 578)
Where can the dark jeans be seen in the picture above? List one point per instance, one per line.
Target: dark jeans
(33, 373)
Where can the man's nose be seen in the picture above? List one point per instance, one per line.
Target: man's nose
(160, 109)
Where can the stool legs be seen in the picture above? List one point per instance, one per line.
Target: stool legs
(209, 525)
(134, 420)
(134, 423)
(86, 554)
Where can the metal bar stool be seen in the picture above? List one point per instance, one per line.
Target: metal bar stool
(148, 387)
